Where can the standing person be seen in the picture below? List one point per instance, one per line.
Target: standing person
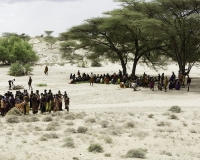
(91, 79)
(11, 83)
(29, 83)
(188, 82)
(46, 70)
(2, 106)
(166, 83)
(66, 100)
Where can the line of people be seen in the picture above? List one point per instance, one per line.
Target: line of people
(45, 102)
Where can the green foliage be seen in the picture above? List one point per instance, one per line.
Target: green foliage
(42, 85)
(136, 153)
(18, 69)
(49, 39)
(175, 109)
(13, 49)
(97, 148)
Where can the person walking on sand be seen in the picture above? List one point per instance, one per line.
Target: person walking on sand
(46, 70)
(188, 82)
(11, 83)
(91, 79)
(29, 83)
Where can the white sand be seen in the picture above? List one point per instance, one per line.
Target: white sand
(176, 139)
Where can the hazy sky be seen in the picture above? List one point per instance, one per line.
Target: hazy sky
(33, 17)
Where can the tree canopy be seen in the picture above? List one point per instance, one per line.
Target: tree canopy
(13, 49)
(141, 31)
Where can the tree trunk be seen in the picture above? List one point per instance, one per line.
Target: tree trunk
(134, 67)
(123, 67)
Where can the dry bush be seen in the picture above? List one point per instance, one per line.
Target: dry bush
(97, 148)
(130, 124)
(108, 140)
(82, 129)
(90, 120)
(57, 114)
(104, 124)
(25, 119)
(14, 111)
(193, 131)
(34, 119)
(151, 115)
(136, 153)
(173, 116)
(80, 115)
(12, 119)
(107, 154)
(47, 119)
(115, 130)
(162, 123)
(46, 136)
(68, 142)
(69, 116)
(70, 123)
(175, 109)
(52, 126)
(130, 114)
(165, 153)
(70, 130)
(38, 128)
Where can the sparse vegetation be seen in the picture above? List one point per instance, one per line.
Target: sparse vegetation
(82, 129)
(70, 123)
(104, 124)
(46, 136)
(12, 119)
(90, 120)
(68, 142)
(41, 85)
(173, 116)
(130, 124)
(97, 148)
(175, 109)
(151, 115)
(165, 153)
(162, 123)
(136, 153)
(47, 119)
(69, 116)
(107, 154)
(80, 115)
(108, 140)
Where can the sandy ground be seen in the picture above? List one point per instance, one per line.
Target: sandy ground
(115, 118)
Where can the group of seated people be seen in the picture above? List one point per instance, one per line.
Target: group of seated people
(24, 101)
(128, 81)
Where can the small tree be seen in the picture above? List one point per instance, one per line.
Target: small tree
(49, 39)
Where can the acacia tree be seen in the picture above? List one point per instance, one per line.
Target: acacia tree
(49, 38)
(118, 37)
(178, 26)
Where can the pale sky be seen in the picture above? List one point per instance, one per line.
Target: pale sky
(33, 17)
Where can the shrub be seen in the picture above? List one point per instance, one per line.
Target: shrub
(108, 140)
(69, 142)
(95, 148)
(47, 119)
(52, 126)
(70, 130)
(151, 115)
(60, 114)
(69, 117)
(175, 109)
(136, 153)
(130, 125)
(173, 116)
(70, 123)
(107, 154)
(25, 119)
(18, 69)
(104, 124)
(12, 119)
(163, 123)
(165, 153)
(80, 115)
(34, 119)
(90, 120)
(42, 85)
(14, 111)
(82, 129)
(46, 136)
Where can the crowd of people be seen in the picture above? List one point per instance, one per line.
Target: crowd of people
(25, 102)
(129, 81)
